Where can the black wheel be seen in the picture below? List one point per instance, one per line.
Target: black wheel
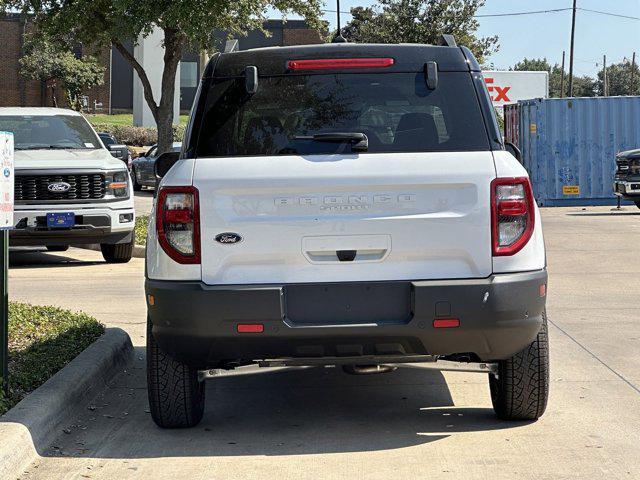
(176, 397)
(521, 389)
(134, 179)
(57, 248)
(637, 204)
(117, 253)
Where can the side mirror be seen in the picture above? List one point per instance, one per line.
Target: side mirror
(513, 150)
(164, 163)
(119, 151)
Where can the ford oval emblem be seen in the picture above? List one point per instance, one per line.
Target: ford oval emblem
(58, 187)
(228, 237)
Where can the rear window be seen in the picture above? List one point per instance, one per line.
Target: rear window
(396, 111)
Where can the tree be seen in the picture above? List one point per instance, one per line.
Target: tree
(619, 79)
(184, 23)
(582, 86)
(56, 64)
(420, 21)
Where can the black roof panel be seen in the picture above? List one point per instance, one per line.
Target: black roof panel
(408, 58)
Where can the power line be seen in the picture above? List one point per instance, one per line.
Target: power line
(513, 14)
(532, 12)
(609, 14)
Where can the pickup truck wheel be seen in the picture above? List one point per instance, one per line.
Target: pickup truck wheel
(136, 186)
(521, 389)
(57, 248)
(117, 253)
(176, 397)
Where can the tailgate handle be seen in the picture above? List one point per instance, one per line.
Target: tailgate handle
(346, 255)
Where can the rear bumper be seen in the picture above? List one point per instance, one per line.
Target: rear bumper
(197, 323)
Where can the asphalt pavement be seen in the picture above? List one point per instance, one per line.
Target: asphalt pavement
(414, 423)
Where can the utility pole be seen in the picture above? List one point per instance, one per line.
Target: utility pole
(562, 78)
(633, 74)
(605, 86)
(573, 34)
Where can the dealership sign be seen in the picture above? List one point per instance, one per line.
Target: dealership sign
(6, 180)
(509, 86)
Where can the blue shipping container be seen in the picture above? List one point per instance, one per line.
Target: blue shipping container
(569, 146)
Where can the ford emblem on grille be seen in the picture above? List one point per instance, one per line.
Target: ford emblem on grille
(228, 237)
(58, 187)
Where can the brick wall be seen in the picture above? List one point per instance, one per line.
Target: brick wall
(300, 36)
(14, 89)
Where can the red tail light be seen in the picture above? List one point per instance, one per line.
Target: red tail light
(178, 223)
(339, 63)
(512, 214)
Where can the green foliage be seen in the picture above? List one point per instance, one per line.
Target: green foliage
(420, 21)
(583, 86)
(185, 23)
(619, 79)
(52, 63)
(42, 340)
(137, 136)
(142, 225)
(125, 119)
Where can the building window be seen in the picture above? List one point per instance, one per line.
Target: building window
(188, 74)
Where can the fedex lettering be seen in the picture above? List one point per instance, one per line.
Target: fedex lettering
(500, 92)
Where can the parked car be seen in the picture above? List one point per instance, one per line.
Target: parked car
(68, 189)
(142, 170)
(117, 149)
(626, 182)
(344, 204)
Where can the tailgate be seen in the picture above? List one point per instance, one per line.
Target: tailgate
(336, 218)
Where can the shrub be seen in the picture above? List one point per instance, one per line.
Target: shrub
(137, 136)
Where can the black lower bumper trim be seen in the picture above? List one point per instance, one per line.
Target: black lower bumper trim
(197, 323)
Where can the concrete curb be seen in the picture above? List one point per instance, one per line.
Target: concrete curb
(35, 422)
(138, 250)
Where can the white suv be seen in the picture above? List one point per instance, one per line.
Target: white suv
(69, 189)
(345, 205)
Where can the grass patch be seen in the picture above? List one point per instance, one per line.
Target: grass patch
(142, 224)
(42, 340)
(122, 119)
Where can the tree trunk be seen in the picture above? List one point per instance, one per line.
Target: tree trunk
(163, 112)
(173, 46)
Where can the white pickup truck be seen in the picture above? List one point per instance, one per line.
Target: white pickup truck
(69, 189)
(345, 204)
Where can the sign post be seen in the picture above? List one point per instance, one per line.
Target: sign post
(6, 223)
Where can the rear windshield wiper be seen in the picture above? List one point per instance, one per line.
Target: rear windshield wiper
(359, 141)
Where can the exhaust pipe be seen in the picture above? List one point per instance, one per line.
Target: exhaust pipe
(368, 369)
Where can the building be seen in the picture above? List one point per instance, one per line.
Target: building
(116, 94)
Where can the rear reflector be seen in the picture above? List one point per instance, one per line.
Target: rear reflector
(543, 290)
(339, 63)
(446, 323)
(250, 328)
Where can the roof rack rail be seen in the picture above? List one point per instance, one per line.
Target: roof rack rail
(447, 40)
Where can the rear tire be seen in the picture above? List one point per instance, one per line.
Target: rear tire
(521, 389)
(176, 397)
(57, 248)
(136, 186)
(117, 253)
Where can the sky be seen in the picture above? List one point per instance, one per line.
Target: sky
(548, 34)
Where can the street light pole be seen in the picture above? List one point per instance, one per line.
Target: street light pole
(573, 34)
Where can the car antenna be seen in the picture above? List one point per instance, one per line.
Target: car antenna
(338, 38)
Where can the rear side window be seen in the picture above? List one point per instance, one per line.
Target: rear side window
(396, 111)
